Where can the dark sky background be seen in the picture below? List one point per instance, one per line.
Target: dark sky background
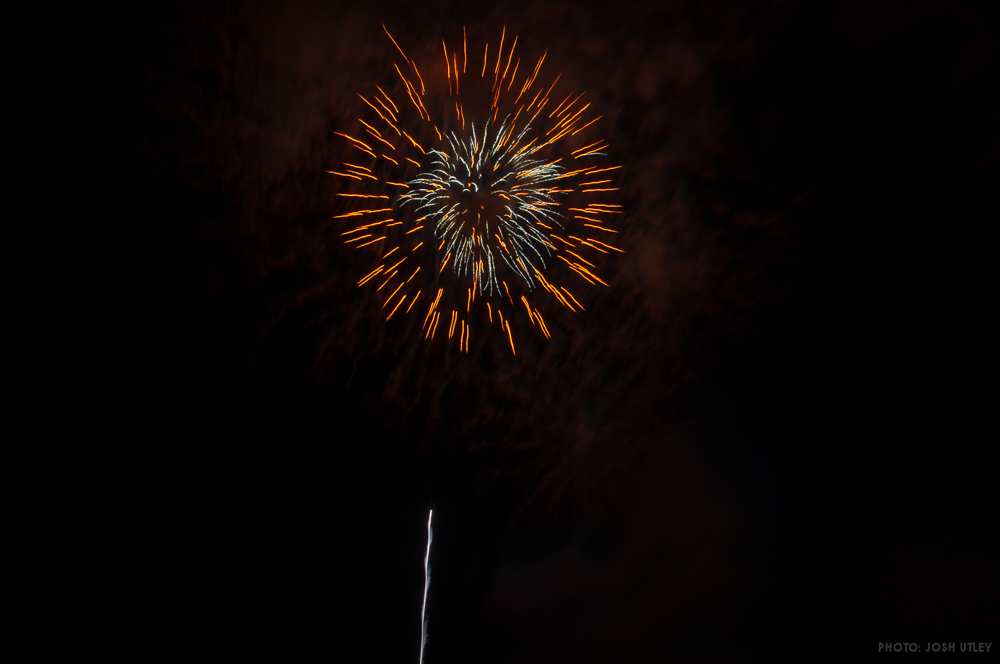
(755, 440)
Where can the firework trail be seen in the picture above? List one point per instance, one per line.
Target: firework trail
(481, 199)
(427, 585)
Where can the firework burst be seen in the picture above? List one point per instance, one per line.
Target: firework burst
(477, 193)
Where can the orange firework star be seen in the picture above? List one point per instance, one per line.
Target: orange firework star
(476, 191)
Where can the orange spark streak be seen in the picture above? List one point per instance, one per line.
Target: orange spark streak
(371, 275)
(358, 213)
(513, 76)
(388, 99)
(378, 239)
(586, 125)
(343, 175)
(396, 308)
(447, 65)
(394, 43)
(500, 52)
(392, 295)
(413, 301)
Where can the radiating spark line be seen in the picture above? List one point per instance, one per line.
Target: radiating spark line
(344, 175)
(423, 89)
(378, 239)
(413, 301)
(388, 99)
(394, 43)
(586, 125)
(353, 140)
(500, 51)
(396, 308)
(367, 176)
(447, 65)
(513, 76)
(358, 213)
(391, 295)
(371, 275)
(606, 245)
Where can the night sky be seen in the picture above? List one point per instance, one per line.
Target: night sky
(757, 440)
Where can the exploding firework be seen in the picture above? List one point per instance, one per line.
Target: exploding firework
(478, 192)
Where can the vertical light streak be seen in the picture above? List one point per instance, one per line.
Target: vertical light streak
(427, 585)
